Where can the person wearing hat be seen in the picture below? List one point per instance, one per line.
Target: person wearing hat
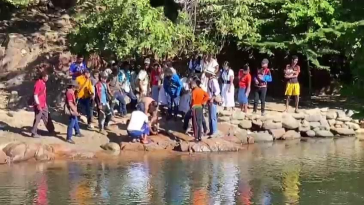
(215, 99)
(102, 99)
(72, 107)
(143, 80)
(85, 95)
(261, 80)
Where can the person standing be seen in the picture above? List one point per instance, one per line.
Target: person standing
(261, 81)
(40, 106)
(210, 64)
(228, 89)
(214, 100)
(116, 91)
(77, 68)
(244, 87)
(155, 82)
(124, 77)
(72, 107)
(85, 95)
(195, 64)
(143, 79)
(102, 99)
(198, 99)
(172, 86)
(292, 72)
(185, 99)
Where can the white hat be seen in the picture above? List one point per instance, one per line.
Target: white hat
(147, 61)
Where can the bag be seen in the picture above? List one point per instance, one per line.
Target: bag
(218, 99)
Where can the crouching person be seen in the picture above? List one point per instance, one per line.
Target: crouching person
(138, 127)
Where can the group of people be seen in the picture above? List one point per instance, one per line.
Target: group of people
(153, 87)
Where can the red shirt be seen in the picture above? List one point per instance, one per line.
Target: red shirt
(70, 96)
(244, 80)
(40, 90)
(154, 77)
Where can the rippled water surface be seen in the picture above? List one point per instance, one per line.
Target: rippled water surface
(313, 173)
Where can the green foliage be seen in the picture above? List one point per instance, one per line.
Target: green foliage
(127, 27)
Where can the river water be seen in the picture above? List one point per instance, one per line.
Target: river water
(314, 172)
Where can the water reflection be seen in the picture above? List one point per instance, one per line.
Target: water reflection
(316, 172)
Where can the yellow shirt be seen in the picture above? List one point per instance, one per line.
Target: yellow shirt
(85, 89)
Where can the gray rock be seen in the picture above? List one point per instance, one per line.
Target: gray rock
(356, 121)
(324, 122)
(344, 119)
(344, 126)
(321, 127)
(352, 125)
(343, 131)
(316, 129)
(238, 116)
(224, 119)
(111, 146)
(310, 133)
(235, 122)
(277, 133)
(262, 137)
(325, 109)
(339, 123)
(225, 113)
(350, 113)
(324, 133)
(303, 128)
(331, 115)
(331, 122)
(291, 134)
(267, 125)
(341, 114)
(338, 126)
(305, 123)
(298, 116)
(290, 123)
(245, 124)
(258, 123)
(313, 118)
(314, 124)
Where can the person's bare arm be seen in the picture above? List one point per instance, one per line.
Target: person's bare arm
(248, 89)
(73, 107)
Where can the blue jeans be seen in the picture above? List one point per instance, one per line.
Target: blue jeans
(213, 118)
(155, 92)
(133, 98)
(122, 104)
(86, 108)
(242, 96)
(72, 124)
(173, 106)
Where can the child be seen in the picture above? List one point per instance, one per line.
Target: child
(199, 98)
(244, 87)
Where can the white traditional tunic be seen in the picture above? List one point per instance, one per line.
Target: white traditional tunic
(185, 101)
(162, 98)
(227, 97)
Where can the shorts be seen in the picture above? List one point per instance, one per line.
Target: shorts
(242, 96)
(136, 134)
(292, 89)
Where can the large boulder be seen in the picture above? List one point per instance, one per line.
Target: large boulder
(277, 133)
(289, 122)
(268, 125)
(257, 123)
(332, 122)
(352, 125)
(331, 115)
(310, 133)
(313, 125)
(344, 119)
(238, 116)
(324, 133)
(111, 146)
(343, 131)
(291, 134)
(262, 137)
(246, 124)
(304, 126)
(200, 147)
(341, 114)
(225, 113)
(298, 116)
(313, 118)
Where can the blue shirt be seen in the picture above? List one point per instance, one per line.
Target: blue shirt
(103, 99)
(77, 69)
(172, 86)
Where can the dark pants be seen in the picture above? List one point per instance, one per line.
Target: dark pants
(173, 106)
(72, 124)
(187, 119)
(122, 104)
(197, 121)
(133, 98)
(42, 115)
(85, 105)
(259, 94)
(104, 116)
(140, 106)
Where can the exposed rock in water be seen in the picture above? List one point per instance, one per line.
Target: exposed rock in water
(324, 133)
(277, 133)
(291, 134)
(343, 131)
(111, 146)
(262, 137)
(289, 122)
(310, 133)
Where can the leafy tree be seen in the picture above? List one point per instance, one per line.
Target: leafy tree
(127, 27)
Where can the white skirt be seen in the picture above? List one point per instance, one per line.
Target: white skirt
(184, 103)
(162, 98)
(227, 97)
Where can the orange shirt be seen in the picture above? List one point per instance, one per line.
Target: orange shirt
(244, 80)
(199, 97)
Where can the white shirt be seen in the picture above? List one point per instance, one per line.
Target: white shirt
(204, 82)
(211, 65)
(143, 76)
(214, 88)
(137, 120)
(226, 75)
